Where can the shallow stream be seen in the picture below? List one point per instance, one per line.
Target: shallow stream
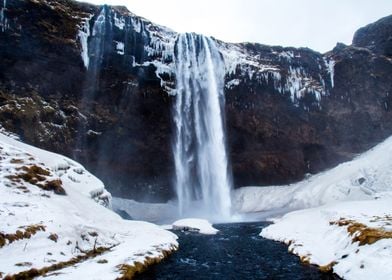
(236, 252)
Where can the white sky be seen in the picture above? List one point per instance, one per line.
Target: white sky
(317, 24)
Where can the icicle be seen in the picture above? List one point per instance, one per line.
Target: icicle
(84, 34)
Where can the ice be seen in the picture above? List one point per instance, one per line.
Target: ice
(137, 24)
(84, 34)
(287, 55)
(119, 22)
(359, 190)
(330, 63)
(232, 83)
(120, 47)
(151, 212)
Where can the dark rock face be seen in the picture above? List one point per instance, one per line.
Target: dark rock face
(288, 111)
(376, 37)
(123, 128)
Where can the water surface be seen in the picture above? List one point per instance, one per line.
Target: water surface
(236, 252)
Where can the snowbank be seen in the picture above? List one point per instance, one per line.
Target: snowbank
(69, 171)
(322, 236)
(352, 233)
(152, 212)
(368, 176)
(71, 233)
(197, 225)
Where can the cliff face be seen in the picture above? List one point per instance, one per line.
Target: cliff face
(97, 84)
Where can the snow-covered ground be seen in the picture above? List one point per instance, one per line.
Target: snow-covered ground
(39, 228)
(198, 225)
(349, 229)
(368, 176)
(152, 212)
(317, 236)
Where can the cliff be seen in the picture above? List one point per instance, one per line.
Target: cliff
(97, 84)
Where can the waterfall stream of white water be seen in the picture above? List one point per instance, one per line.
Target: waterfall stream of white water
(202, 172)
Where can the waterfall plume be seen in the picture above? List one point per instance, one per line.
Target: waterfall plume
(199, 148)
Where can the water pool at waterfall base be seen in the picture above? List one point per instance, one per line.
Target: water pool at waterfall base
(235, 252)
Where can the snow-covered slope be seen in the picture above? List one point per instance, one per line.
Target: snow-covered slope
(351, 234)
(352, 238)
(368, 176)
(51, 223)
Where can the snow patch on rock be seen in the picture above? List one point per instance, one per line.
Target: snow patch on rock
(197, 225)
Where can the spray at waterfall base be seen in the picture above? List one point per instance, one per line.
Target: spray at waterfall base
(202, 177)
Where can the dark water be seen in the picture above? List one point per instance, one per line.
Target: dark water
(236, 252)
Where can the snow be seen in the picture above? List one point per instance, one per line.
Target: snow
(313, 235)
(199, 225)
(369, 176)
(136, 23)
(235, 56)
(7, 133)
(80, 223)
(93, 132)
(159, 48)
(297, 81)
(152, 212)
(288, 55)
(232, 83)
(240, 61)
(359, 191)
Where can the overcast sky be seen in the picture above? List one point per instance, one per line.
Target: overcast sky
(317, 24)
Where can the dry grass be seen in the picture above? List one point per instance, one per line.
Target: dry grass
(129, 271)
(31, 273)
(327, 268)
(24, 264)
(54, 185)
(25, 233)
(16, 161)
(362, 233)
(304, 259)
(54, 237)
(37, 176)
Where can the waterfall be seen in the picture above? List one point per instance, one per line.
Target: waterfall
(3, 18)
(199, 147)
(96, 48)
(93, 60)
